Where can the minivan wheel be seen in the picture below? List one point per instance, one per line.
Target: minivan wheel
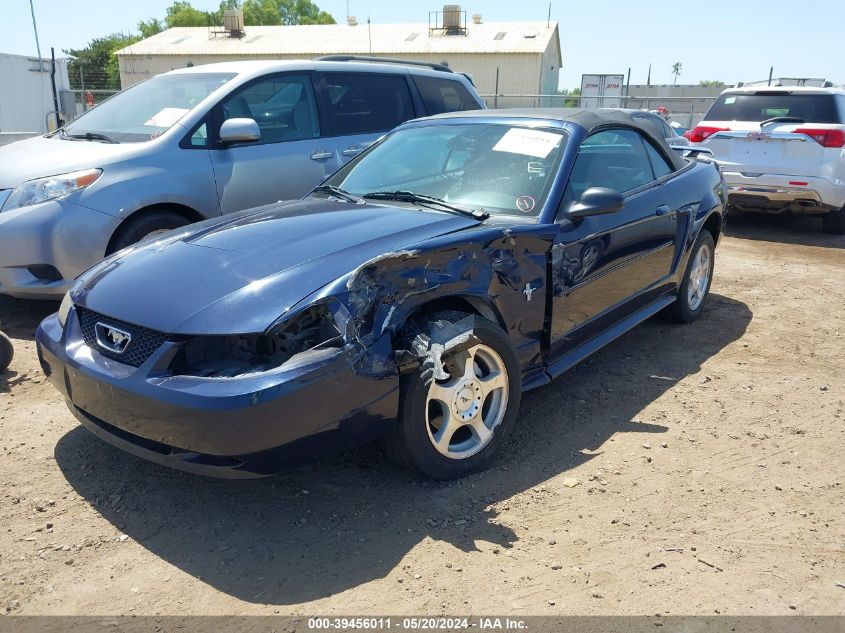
(834, 222)
(453, 427)
(145, 226)
(696, 282)
(7, 352)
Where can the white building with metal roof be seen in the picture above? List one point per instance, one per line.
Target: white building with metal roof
(501, 57)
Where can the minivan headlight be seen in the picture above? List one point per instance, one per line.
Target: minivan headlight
(50, 188)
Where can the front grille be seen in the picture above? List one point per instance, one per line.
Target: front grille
(144, 340)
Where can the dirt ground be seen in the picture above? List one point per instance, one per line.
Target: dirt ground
(708, 459)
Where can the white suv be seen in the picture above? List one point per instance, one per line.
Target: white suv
(781, 149)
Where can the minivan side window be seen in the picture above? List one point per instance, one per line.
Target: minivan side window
(362, 104)
(444, 95)
(615, 159)
(283, 106)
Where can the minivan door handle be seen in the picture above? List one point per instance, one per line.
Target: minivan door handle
(663, 209)
(321, 155)
(352, 151)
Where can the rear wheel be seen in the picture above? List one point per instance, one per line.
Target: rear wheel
(146, 226)
(7, 352)
(696, 282)
(453, 427)
(834, 222)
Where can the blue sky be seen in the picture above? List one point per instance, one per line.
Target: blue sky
(718, 39)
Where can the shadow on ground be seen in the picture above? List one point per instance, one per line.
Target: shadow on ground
(20, 317)
(349, 520)
(800, 230)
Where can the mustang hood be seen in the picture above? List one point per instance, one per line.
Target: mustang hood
(239, 273)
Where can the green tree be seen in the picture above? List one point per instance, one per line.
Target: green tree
(303, 12)
(677, 67)
(570, 103)
(715, 83)
(95, 66)
(181, 13)
(150, 27)
(278, 12)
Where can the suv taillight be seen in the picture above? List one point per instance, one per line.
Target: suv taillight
(701, 132)
(825, 138)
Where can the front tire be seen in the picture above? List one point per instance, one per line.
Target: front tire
(696, 282)
(7, 352)
(834, 222)
(145, 226)
(450, 428)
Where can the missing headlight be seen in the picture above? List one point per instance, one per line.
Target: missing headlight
(230, 356)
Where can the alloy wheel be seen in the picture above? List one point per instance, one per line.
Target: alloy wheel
(699, 278)
(462, 413)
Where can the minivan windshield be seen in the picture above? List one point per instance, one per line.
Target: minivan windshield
(764, 105)
(496, 168)
(146, 110)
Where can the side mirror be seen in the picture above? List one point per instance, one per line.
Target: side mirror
(239, 131)
(596, 201)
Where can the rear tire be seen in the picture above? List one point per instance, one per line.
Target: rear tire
(834, 222)
(144, 226)
(7, 352)
(451, 440)
(696, 282)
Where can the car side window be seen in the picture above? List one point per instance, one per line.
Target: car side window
(361, 104)
(444, 95)
(200, 136)
(659, 165)
(283, 106)
(615, 159)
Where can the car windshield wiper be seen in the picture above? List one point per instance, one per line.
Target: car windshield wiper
(337, 192)
(92, 136)
(782, 119)
(418, 198)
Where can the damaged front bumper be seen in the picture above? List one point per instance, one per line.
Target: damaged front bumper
(249, 426)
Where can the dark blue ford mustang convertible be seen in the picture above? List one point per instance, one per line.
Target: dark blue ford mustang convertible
(414, 296)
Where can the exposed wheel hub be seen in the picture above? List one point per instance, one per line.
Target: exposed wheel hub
(468, 400)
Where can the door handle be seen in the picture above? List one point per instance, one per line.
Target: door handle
(663, 209)
(352, 151)
(321, 155)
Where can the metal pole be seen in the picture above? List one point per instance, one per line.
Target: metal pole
(648, 81)
(771, 72)
(496, 91)
(38, 49)
(53, 84)
(628, 84)
(370, 35)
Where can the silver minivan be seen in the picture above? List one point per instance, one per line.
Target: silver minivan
(192, 144)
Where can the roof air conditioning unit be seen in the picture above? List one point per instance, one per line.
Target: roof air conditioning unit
(351, 20)
(233, 22)
(476, 18)
(452, 18)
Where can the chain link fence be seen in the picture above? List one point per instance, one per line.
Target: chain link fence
(686, 111)
(86, 99)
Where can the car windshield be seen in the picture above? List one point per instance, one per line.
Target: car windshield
(758, 107)
(146, 110)
(492, 167)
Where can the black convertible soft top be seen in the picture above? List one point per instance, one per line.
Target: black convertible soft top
(590, 120)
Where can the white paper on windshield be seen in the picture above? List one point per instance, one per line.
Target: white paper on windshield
(167, 117)
(528, 142)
